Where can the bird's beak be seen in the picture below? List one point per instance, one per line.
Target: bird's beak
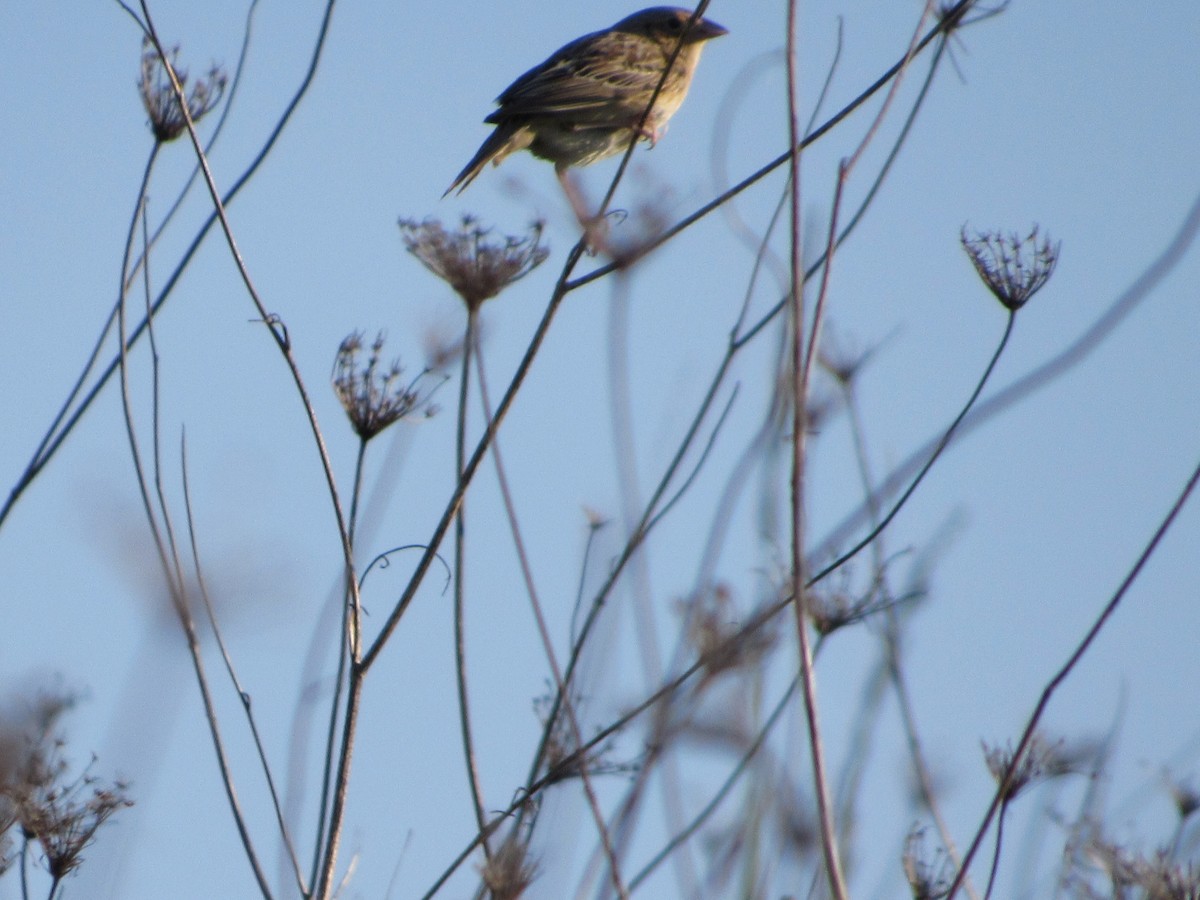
(705, 30)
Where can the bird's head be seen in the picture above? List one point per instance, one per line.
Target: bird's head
(665, 24)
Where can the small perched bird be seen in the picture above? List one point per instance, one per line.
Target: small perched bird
(585, 102)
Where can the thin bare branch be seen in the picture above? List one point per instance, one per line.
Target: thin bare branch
(1003, 789)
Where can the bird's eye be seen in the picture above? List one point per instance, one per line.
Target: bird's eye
(674, 24)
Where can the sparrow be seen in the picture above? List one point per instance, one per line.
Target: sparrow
(588, 100)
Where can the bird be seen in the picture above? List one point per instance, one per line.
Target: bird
(588, 101)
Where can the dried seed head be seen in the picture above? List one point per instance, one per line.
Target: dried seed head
(1042, 760)
(927, 874)
(950, 15)
(374, 396)
(65, 818)
(834, 606)
(466, 259)
(595, 519)
(564, 759)
(60, 813)
(1184, 795)
(1013, 268)
(510, 871)
(167, 119)
(1155, 878)
(832, 609)
(714, 627)
(843, 365)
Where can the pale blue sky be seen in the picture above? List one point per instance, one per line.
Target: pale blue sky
(1082, 117)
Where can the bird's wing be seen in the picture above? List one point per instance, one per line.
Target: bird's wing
(594, 76)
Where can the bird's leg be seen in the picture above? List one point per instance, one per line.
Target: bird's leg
(653, 134)
(595, 228)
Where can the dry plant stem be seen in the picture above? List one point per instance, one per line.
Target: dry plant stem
(868, 715)
(800, 370)
(1005, 785)
(472, 465)
(171, 577)
(165, 513)
(126, 402)
(430, 549)
(691, 477)
(536, 786)
(535, 603)
(173, 573)
(242, 693)
(987, 895)
(770, 428)
(722, 520)
(24, 866)
(732, 102)
(901, 140)
(349, 653)
(844, 169)
(321, 887)
(339, 682)
(802, 363)
(460, 536)
(53, 440)
(305, 714)
(583, 571)
(155, 430)
(280, 339)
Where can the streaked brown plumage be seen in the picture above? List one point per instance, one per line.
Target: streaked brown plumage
(584, 103)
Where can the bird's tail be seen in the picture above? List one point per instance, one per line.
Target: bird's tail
(503, 140)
